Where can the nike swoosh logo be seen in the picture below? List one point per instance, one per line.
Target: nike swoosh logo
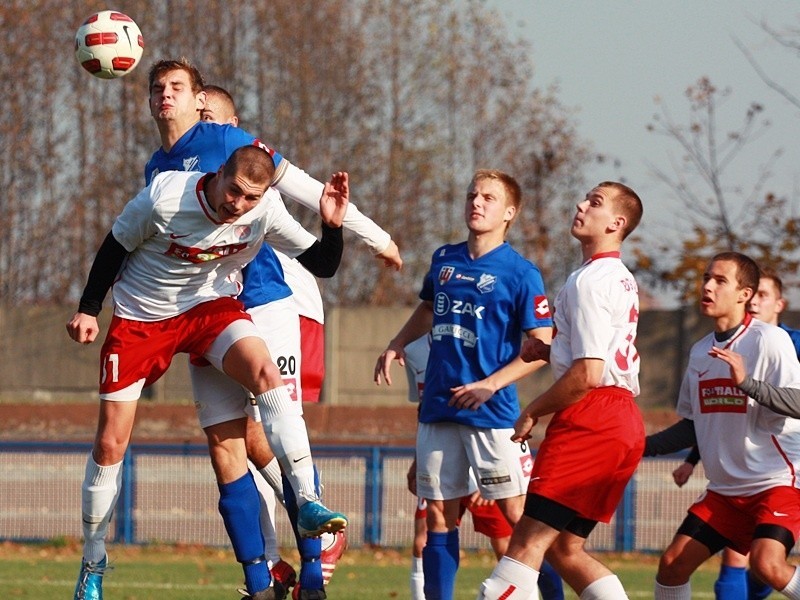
(297, 460)
(779, 514)
(174, 236)
(702, 373)
(127, 35)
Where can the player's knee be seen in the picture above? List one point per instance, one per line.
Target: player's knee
(673, 568)
(771, 570)
(109, 448)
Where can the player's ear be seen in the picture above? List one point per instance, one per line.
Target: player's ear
(200, 100)
(511, 212)
(619, 222)
(780, 305)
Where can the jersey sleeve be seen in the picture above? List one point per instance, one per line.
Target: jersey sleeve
(532, 304)
(684, 406)
(283, 232)
(304, 189)
(136, 224)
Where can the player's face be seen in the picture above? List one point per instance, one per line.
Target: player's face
(766, 304)
(236, 195)
(172, 98)
(721, 296)
(595, 216)
(217, 110)
(486, 209)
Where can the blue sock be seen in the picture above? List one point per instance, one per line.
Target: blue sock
(310, 549)
(550, 585)
(757, 589)
(439, 564)
(731, 583)
(239, 506)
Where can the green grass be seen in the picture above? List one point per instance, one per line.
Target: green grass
(184, 573)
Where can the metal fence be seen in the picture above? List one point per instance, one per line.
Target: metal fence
(169, 495)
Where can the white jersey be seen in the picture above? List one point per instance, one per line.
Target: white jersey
(745, 447)
(595, 316)
(181, 255)
(305, 291)
(416, 360)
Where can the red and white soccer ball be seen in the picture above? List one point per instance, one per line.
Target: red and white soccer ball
(109, 44)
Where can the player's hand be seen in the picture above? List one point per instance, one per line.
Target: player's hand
(734, 360)
(523, 428)
(471, 395)
(384, 364)
(334, 200)
(534, 349)
(391, 256)
(83, 328)
(476, 500)
(682, 473)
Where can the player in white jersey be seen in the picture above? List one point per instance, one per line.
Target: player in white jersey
(179, 247)
(596, 435)
(748, 437)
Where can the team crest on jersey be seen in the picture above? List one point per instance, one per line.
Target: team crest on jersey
(486, 283)
(242, 231)
(445, 273)
(721, 395)
(191, 163)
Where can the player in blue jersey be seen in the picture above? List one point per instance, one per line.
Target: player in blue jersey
(478, 299)
(296, 353)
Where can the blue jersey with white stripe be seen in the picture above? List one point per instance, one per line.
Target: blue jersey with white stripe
(481, 309)
(206, 147)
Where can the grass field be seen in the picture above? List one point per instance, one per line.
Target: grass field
(197, 573)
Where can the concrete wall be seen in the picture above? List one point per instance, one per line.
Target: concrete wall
(41, 364)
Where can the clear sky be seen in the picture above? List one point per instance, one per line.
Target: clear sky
(612, 58)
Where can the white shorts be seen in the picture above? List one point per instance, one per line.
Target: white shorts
(446, 451)
(217, 397)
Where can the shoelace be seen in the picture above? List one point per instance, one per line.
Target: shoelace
(90, 568)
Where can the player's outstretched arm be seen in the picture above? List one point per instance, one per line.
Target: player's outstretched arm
(418, 324)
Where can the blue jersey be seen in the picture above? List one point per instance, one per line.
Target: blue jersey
(480, 310)
(205, 148)
(795, 335)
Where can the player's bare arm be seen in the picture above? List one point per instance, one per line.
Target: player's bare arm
(391, 256)
(582, 376)
(418, 324)
(473, 395)
(334, 199)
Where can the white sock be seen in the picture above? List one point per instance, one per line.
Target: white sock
(101, 485)
(510, 580)
(673, 592)
(792, 589)
(272, 475)
(282, 419)
(266, 498)
(605, 588)
(417, 579)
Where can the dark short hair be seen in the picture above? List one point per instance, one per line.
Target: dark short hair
(252, 162)
(773, 277)
(181, 64)
(220, 91)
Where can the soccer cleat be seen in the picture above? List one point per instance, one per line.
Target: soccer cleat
(90, 580)
(267, 594)
(332, 550)
(298, 593)
(314, 519)
(284, 573)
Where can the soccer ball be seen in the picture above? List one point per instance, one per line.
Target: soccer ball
(109, 44)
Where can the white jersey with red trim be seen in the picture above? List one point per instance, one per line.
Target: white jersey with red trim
(596, 313)
(181, 255)
(745, 447)
(305, 290)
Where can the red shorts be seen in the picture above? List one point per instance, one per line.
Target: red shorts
(312, 351)
(736, 517)
(143, 350)
(487, 519)
(589, 453)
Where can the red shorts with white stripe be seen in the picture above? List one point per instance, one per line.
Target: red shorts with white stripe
(312, 366)
(736, 517)
(137, 353)
(589, 453)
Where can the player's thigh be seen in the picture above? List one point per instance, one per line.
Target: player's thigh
(500, 465)
(279, 325)
(442, 463)
(681, 558)
(217, 397)
(242, 353)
